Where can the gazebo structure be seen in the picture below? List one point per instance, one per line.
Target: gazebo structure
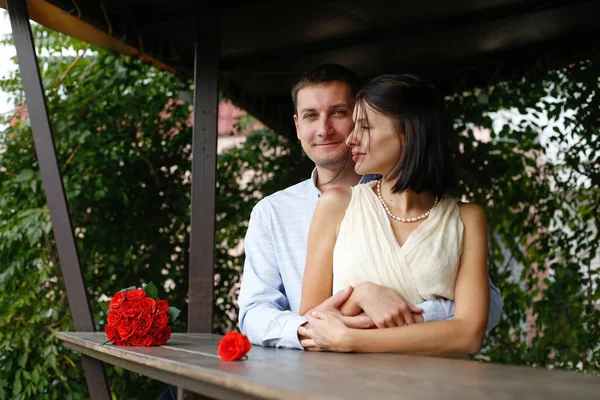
(253, 51)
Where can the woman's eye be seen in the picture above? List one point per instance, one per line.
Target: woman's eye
(364, 127)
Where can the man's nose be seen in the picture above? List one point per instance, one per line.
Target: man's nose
(325, 127)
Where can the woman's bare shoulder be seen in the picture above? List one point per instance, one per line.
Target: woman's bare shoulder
(336, 197)
(471, 213)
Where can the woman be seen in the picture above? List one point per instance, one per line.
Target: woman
(401, 232)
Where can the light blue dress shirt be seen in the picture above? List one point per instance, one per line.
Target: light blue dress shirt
(271, 287)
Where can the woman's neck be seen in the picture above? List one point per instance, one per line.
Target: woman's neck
(406, 203)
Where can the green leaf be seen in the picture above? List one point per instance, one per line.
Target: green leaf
(128, 289)
(105, 306)
(17, 386)
(151, 290)
(173, 314)
(24, 175)
(35, 376)
(23, 360)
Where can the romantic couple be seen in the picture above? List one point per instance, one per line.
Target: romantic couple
(372, 239)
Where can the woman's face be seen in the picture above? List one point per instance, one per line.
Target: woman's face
(374, 142)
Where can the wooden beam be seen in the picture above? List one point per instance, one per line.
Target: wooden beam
(55, 18)
(53, 187)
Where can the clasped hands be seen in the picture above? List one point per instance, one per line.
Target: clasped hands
(365, 306)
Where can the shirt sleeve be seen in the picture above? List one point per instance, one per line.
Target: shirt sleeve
(264, 309)
(443, 309)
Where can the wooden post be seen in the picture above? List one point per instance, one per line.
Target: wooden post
(204, 169)
(54, 189)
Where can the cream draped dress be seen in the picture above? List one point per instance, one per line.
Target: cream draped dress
(424, 268)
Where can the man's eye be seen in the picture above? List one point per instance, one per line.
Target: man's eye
(310, 115)
(340, 112)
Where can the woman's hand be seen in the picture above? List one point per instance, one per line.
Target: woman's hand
(385, 307)
(328, 331)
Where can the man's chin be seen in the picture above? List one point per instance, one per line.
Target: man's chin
(329, 163)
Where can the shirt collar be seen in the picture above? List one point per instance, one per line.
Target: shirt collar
(313, 180)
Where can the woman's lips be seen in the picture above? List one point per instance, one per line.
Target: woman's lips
(356, 156)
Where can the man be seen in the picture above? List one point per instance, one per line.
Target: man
(278, 230)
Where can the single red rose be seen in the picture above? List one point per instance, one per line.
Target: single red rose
(135, 294)
(117, 300)
(147, 304)
(111, 333)
(162, 306)
(162, 336)
(142, 323)
(125, 329)
(130, 309)
(114, 316)
(233, 346)
(161, 319)
(143, 341)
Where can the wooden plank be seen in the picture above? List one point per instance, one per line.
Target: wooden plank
(54, 189)
(204, 169)
(190, 360)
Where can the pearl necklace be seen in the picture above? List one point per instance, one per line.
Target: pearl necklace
(387, 209)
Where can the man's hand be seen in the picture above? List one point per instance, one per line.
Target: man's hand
(385, 307)
(306, 342)
(333, 304)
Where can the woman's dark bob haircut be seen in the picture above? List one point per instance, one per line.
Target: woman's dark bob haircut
(426, 162)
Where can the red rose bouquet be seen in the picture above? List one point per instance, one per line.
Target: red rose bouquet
(137, 317)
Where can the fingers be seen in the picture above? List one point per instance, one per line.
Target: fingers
(361, 321)
(414, 309)
(380, 323)
(394, 320)
(337, 299)
(399, 320)
(408, 317)
(302, 328)
(308, 344)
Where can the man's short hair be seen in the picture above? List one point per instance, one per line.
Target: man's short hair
(326, 73)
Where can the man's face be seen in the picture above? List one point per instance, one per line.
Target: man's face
(324, 121)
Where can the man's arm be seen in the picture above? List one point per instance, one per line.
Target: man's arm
(264, 310)
(443, 310)
(385, 301)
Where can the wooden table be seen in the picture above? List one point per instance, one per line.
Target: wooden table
(190, 361)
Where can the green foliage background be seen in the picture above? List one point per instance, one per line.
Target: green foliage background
(123, 142)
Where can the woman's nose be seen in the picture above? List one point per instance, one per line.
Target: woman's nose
(352, 139)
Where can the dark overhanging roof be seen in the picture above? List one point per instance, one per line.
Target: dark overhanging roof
(265, 45)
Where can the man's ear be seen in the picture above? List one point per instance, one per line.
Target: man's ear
(296, 123)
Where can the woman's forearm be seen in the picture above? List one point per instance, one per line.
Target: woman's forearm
(442, 339)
